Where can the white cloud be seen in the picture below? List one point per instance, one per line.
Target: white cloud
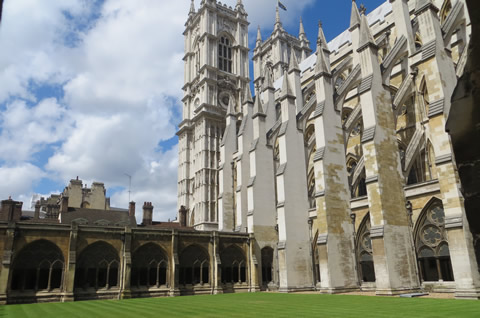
(27, 130)
(17, 180)
(121, 75)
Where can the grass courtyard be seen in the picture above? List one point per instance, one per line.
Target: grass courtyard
(252, 305)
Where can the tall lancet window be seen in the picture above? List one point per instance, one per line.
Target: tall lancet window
(225, 55)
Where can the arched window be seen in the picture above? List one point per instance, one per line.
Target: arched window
(225, 54)
(431, 244)
(194, 266)
(360, 188)
(445, 10)
(149, 267)
(418, 41)
(311, 189)
(366, 269)
(233, 265)
(97, 267)
(267, 268)
(38, 266)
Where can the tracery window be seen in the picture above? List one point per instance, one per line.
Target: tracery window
(225, 54)
(366, 269)
(432, 246)
(445, 10)
(267, 268)
(149, 267)
(194, 266)
(38, 266)
(97, 267)
(233, 266)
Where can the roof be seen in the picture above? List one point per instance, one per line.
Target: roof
(98, 217)
(377, 15)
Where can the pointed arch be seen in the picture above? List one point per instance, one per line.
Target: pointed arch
(149, 266)
(431, 243)
(38, 266)
(366, 269)
(233, 265)
(194, 266)
(267, 265)
(225, 52)
(98, 267)
(445, 10)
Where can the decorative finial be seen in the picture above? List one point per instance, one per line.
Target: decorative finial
(363, 9)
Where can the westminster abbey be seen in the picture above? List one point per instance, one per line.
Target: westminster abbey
(328, 171)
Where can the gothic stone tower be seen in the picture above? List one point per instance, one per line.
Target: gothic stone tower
(216, 74)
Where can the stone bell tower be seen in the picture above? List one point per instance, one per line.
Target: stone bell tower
(216, 74)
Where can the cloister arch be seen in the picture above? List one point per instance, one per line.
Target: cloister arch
(149, 266)
(38, 266)
(234, 268)
(194, 266)
(98, 267)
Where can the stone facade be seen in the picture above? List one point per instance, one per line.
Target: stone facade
(50, 260)
(340, 166)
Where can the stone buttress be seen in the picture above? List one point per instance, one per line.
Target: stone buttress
(393, 253)
(335, 231)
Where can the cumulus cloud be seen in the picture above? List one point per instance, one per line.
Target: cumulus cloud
(27, 130)
(17, 179)
(118, 65)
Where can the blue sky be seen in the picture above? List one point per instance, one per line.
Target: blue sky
(93, 88)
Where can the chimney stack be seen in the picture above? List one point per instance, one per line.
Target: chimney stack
(36, 216)
(11, 210)
(147, 213)
(64, 204)
(131, 209)
(182, 214)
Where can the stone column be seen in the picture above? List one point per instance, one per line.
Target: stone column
(69, 272)
(253, 264)
(174, 266)
(6, 262)
(216, 265)
(127, 263)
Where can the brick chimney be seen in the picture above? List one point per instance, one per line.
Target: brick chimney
(36, 216)
(11, 210)
(64, 204)
(182, 215)
(147, 213)
(131, 209)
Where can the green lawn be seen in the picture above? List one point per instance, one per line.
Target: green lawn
(252, 305)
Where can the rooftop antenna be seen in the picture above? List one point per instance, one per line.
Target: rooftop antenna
(129, 185)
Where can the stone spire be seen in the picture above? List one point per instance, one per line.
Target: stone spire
(278, 23)
(355, 16)
(321, 38)
(286, 91)
(257, 107)
(322, 66)
(192, 8)
(366, 37)
(247, 97)
(301, 33)
(259, 37)
(293, 64)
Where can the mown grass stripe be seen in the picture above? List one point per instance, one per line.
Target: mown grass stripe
(255, 305)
